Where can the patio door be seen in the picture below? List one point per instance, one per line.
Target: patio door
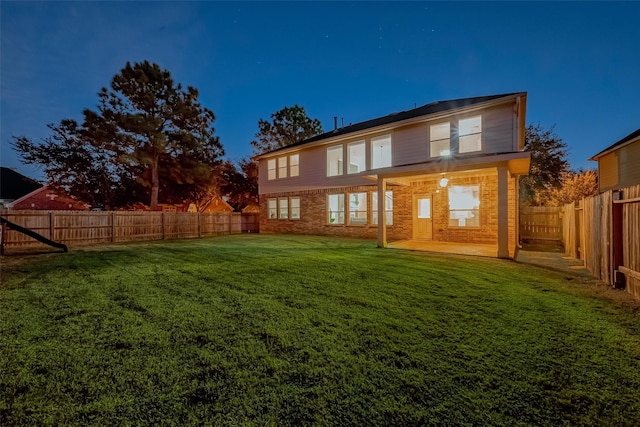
(422, 224)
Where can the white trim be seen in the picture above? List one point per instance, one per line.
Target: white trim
(612, 149)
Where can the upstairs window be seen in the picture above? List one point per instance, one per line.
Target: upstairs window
(294, 165)
(282, 167)
(334, 160)
(271, 167)
(464, 206)
(470, 134)
(357, 157)
(440, 139)
(381, 152)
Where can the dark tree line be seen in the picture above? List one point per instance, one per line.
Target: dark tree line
(150, 141)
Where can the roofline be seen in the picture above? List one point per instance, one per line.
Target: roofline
(33, 193)
(393, 124)
(632, 137)
(439, 166)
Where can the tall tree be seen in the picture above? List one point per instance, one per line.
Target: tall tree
(87, 171)
(153, 124)
(287, 126)
(147, 129)
(548, 162)
(239, 183)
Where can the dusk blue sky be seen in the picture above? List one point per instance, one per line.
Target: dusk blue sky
(578, 61)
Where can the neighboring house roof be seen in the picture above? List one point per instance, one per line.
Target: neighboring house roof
(217, 204)
(627, 139)
(425, 110)
(14, 185)
(48, 198)
(252, 208)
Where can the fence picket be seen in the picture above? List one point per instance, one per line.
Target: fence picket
(593, 229)
(540, 223)
(82, 227)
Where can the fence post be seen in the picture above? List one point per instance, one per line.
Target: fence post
(51, 227)
(162, 222)
(199, 233)
(3, 233)
(113, 226)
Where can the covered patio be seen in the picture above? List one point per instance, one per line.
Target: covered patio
(474, 249)
(468, 207)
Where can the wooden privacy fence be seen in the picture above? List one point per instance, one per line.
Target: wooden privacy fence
(604, 231)
(540, 223)
(82, 228)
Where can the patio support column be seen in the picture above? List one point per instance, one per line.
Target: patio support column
(382, 215)
(503, 212)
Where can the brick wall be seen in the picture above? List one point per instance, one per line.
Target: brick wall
(314, 211)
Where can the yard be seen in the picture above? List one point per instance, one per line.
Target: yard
(291, 330)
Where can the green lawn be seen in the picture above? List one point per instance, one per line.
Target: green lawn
(290, 330)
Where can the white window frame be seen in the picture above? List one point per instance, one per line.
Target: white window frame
(433, 143)
(470, 135)
(294, 165)
(340, 160)
(271, 169)
(358, 211)
(294, 206)
(337, 215)
(378, 158)
(282, 167)
(462, 213)
(388, 207)
(283, 208)
(272, 205)
(350, 147)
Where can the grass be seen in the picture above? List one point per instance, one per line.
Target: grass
(291, 330)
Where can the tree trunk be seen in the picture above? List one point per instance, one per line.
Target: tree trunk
(155, 183)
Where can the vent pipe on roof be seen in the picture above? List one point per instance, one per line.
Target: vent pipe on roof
(343, 122)
(335, 122)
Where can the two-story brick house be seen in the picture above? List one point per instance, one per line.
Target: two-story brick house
(445, 172)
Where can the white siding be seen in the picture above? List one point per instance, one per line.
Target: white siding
(630, 164)
(410, 145)
(497, 130)
(313, 174)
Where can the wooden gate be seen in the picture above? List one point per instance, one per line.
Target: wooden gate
(540, 223)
